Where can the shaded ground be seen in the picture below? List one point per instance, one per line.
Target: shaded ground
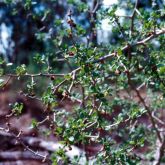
(13, 152)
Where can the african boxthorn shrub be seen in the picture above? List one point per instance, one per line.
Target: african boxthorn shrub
(116, 88)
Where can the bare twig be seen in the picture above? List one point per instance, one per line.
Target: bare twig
(37, 75)
(19, 155)
(132, 17)
(7, 81)
(157, 119)
(96, 7)
(73, 79)
(57, 87)
(83, 96)
(117, 123)
(159, 150)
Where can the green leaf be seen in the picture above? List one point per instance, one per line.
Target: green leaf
(1, 71)
(119, 52)
(1, 82)
(71, 139)
(17, 108)
(162, 70)
(21, 70)
(34, 123)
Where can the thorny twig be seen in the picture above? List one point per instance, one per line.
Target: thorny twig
(18, 138)
(157, 119)
(161, 140)
(142, 42)
(144, 104)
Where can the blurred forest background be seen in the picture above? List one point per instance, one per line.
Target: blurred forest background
(33, 27)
